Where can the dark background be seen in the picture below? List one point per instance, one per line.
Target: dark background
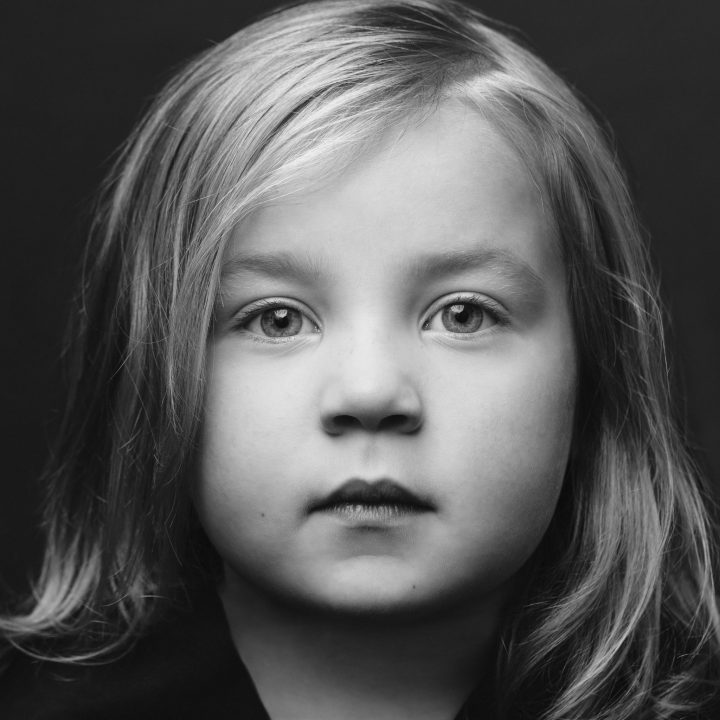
(76, 75)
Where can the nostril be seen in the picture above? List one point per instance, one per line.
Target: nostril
(345, 422)
(339, 424)
(397, 422)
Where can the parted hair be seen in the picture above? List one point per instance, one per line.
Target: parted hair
(618, 618)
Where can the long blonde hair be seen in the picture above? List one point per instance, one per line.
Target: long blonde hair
(619, 618)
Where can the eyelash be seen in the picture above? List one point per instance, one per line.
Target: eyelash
(488, 306)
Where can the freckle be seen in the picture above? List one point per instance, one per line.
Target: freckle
(262, 514)
(414, 586)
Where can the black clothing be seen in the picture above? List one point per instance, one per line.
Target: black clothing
(186, 668)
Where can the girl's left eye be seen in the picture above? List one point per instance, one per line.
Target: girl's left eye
(277, 322)
(462, 316)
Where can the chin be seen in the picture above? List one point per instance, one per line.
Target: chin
(373, 588)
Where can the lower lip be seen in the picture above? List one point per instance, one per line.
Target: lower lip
(356, 513)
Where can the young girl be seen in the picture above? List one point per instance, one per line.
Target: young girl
(369, 412)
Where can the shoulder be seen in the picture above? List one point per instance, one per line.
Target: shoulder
(186, 668)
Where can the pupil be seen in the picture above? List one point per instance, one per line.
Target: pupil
(461, 313)
(281, 317)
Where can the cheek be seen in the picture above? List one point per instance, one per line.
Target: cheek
(249, 427)
(508, 453)
(253, 416)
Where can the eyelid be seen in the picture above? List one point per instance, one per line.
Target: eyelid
(492, 307)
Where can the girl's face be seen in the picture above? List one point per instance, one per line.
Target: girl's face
(391, 380)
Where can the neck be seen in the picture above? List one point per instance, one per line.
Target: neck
(324, 666)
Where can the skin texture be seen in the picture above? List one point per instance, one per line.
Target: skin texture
(380, 381)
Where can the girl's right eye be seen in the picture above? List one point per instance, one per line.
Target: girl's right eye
(276, 321)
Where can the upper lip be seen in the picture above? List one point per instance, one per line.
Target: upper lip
(357, 491)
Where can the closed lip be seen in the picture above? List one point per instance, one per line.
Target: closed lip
(375, 493)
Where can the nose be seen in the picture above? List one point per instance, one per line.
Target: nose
(370, 388)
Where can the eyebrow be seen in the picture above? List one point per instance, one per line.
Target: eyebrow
(444, 263)
(452, 262)
(283, 265)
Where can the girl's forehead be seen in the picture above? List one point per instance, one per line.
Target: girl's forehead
(450, 182)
